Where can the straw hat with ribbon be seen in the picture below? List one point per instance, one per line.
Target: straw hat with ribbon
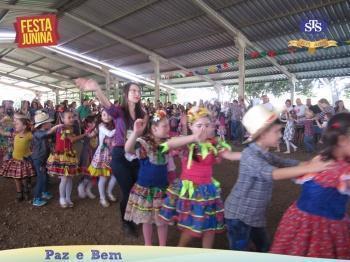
(41, 118)
(257, 120)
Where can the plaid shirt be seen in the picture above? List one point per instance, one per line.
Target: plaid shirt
(252, 192)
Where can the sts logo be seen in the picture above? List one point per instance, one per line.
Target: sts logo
(313, 26)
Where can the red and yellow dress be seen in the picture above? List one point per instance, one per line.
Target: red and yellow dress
(317, 224)
(63, 161)
(194, 200)
(20, 165)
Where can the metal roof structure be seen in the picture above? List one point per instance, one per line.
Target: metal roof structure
(125, 33)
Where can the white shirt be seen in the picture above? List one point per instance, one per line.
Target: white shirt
(300, 110)
(269, 106)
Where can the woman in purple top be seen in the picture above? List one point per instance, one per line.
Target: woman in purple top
(123, 116)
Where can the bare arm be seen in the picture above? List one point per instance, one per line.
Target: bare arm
(314, 166)
(229, 155)
(130, 143)
(92, 85)
(176, 142)
(53, 129)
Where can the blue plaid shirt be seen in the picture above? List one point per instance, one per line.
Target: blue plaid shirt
(252, 192)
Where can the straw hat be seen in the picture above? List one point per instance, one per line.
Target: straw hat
(258, 119)
(41, 118)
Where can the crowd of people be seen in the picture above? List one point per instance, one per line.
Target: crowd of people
(135, 144)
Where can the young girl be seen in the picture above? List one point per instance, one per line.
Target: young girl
(317, 224)
(100, 165)
(20, 167)
(63, 161)
(221, 126)
(41, 152)
(194, 199)
(87, 152)
(146, 196)
(289, 131)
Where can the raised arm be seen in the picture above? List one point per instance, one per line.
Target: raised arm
(92, 85)
(139, 127)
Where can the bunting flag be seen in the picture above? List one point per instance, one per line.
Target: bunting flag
(293, 47)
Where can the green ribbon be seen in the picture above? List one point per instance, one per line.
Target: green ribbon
(204, 148)
(153, 192)
(223, 144)
(164, 147)
(188, 186)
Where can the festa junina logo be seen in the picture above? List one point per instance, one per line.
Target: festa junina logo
(313, 26)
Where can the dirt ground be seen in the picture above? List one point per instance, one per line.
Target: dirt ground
(23, 225)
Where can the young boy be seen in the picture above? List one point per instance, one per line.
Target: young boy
(41, 151)
(246, 205)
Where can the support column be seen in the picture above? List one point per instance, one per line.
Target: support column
(57, 96)
(80, 97)
(156, 77)
(292, 82)
(241, 66)
(108, 81)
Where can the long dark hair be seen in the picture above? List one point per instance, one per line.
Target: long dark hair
(139, 113)
(110, 126)
(338, 125)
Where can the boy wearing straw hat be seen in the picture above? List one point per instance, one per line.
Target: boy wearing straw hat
(41, 151)
(246, 205)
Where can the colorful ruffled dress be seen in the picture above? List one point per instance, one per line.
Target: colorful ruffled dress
(147, 195)
(317, 224)
(6, 143)
(100, 164)
(194, 201)
(63, 161)
(19, 166)
(86, 155)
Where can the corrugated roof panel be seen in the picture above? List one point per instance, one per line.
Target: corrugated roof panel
(113, 52)
(153, 17)
(101, 12)
(49, 64)
(90, 41)
(22, 56)
(24, 73)
(69, 28)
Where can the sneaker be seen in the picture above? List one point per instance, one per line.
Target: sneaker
(112, 198)
(104, 202)
(90, 194)
(47, 195)
(69, 203)
(81, 191)
(38, 202)
(63, 203)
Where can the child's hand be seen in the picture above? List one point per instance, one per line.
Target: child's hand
(318, 165)
(201, 136)
(87, 84)
(139, 126)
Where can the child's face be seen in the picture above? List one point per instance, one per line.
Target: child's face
(46, 126)
(202, 123)
(161, 129)
(19, 126)
(68, 118)
(106, 118)
(272, 136)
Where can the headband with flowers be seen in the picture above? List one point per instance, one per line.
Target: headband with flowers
(158, 115)
(197, 112)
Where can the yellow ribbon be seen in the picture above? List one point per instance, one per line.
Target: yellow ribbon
(312, 45)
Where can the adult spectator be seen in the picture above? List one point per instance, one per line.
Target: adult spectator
(25, 109)
(340, 108)
(266, 103)
(300, 109)
(84, 110)
(236, 117)
(35, 106)
(49, 109)
(308, 103)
